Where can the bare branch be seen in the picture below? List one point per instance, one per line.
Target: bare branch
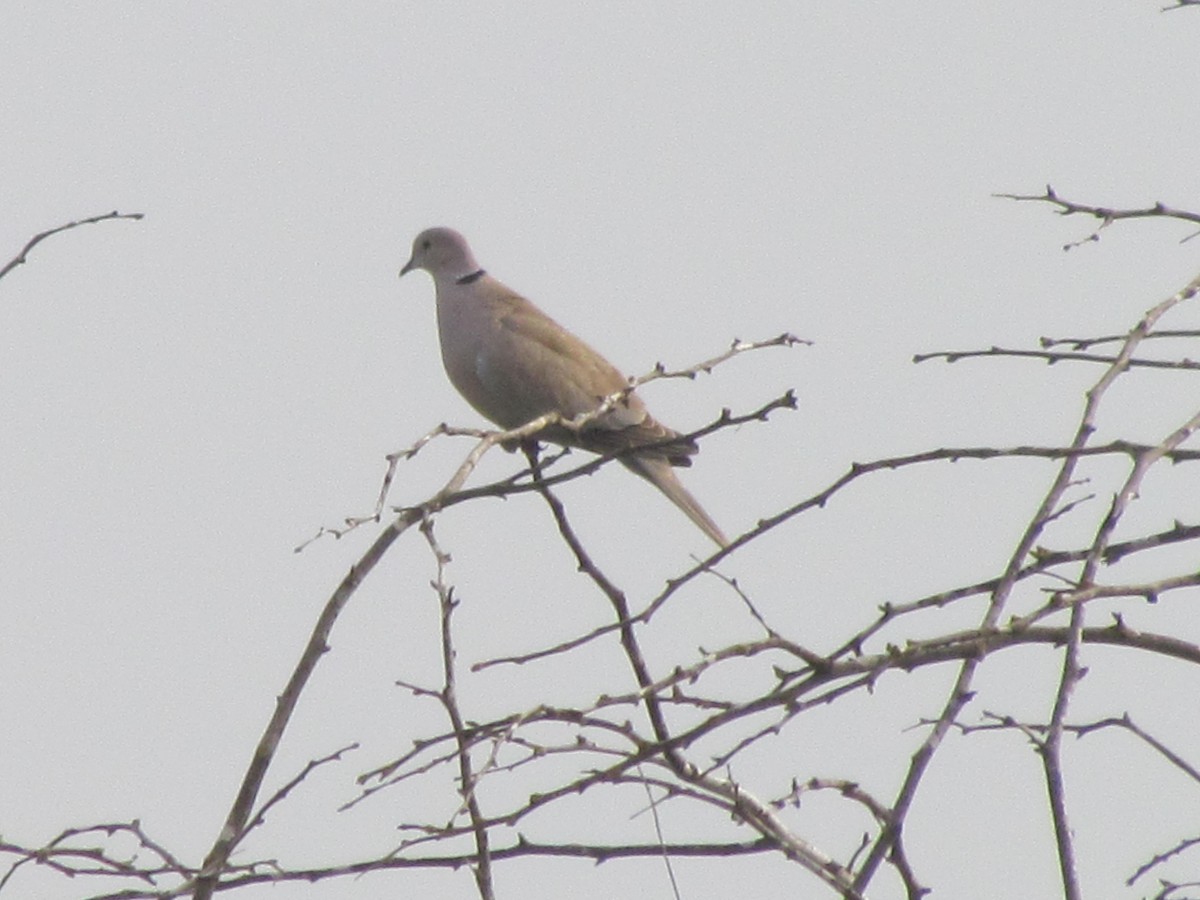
(20, 258)
(1106, 214)
(1086, 342)
(1053, 357)
(961, 691)
(467, 778)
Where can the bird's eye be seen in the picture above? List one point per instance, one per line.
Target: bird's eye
(426, 244)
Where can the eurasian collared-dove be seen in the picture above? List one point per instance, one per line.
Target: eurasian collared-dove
(514, 363)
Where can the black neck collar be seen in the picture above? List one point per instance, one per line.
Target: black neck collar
(472, 278)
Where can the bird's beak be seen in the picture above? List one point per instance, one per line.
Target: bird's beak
(408, 267)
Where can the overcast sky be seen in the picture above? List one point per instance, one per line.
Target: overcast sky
(185, 399)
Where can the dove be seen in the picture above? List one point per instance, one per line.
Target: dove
(513, 363)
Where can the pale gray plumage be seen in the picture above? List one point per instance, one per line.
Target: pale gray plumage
(514, 363)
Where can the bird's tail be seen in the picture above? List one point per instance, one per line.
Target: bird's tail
(659, 473)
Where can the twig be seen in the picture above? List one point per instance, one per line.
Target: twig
(1106, 214)
(482, 867)
(20, 258)
(1085, 343)
(1057, 356)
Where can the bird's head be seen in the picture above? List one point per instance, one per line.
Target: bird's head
(442, 252)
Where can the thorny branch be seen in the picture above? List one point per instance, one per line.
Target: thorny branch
(962, 691)
(673, 728)
(1106, 214)
(448, 695)
(235, 827)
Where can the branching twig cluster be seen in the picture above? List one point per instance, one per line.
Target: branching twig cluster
(667, 726)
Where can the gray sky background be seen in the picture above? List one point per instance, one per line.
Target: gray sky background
(185, 399)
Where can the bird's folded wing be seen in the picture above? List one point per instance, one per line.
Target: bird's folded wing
(551, 369)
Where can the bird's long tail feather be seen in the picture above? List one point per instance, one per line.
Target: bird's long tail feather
(659, 473)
